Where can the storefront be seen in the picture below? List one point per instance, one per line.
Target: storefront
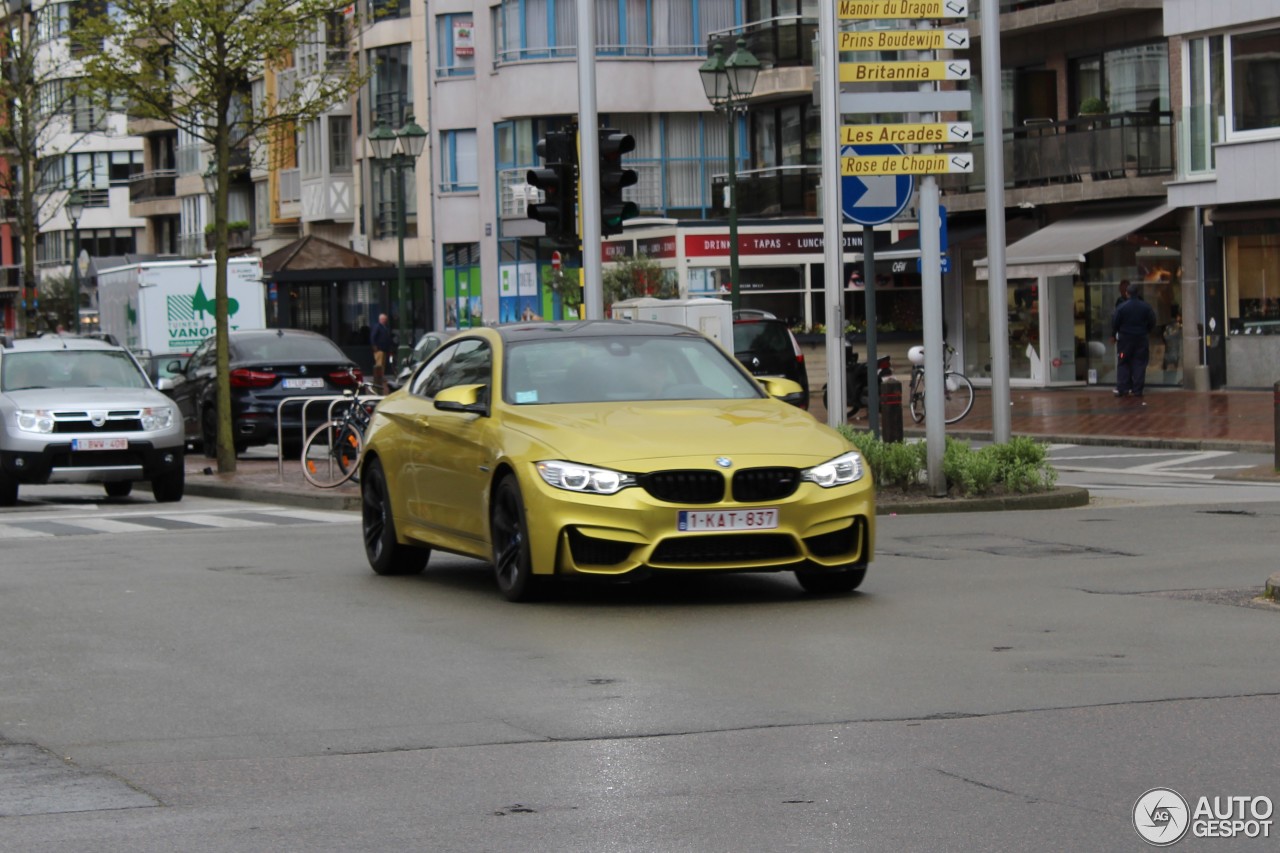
(1242, 295)
(1063, 282)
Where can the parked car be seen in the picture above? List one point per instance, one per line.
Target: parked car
(765, 346)
(161, 366)
(609, 449)
(427, 344)
(79, 410)
(267, 366)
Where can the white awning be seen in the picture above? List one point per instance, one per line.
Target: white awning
(1059, 249)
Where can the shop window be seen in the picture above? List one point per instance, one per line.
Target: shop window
(1253, 288)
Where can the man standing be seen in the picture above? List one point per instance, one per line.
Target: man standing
(1132, 323)
(382, 341)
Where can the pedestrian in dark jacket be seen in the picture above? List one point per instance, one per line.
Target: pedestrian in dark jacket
(1132, 323)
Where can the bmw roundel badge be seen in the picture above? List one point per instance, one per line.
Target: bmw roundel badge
(724, 461)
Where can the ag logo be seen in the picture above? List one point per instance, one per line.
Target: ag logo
(1161, 817)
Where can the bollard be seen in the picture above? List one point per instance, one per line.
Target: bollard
(1276, 446)
(890, 409)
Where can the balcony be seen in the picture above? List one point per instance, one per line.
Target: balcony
(781, 42)
(151, 186)
(1076, 153)
(777, 192)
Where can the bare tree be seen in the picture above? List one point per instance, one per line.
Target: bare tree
(192, 63)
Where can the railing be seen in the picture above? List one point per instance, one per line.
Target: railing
(780, 191)
(148, 186)
(776, 42)
(306, 402)
(1087, 148)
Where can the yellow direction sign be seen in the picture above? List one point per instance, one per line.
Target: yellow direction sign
(953, 39)
(863, 10)
(879, 72)
(906, 164)
(942, 133)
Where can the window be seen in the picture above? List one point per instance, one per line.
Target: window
(381, 10)
(339, 144)
(391, 88)
(1253, 279)
(534, 29)
(386, 218)
(456, 46)
(1129, 79)
(458, 161)
(1205, 100)
(1255, 81)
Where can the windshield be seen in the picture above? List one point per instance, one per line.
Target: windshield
(589, 370)
(69, 369)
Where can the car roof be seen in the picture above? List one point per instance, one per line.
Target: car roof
(50, 343)
(518, 332)
(242, 334)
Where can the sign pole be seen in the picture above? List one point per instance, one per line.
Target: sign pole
(832, 220)
(931, 297)
(993, 160)
(869, 289)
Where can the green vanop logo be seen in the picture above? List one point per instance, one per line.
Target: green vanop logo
(201, 303)
(191, 318)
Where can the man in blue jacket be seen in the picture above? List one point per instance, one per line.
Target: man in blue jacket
(1132, 323)
(383, 343)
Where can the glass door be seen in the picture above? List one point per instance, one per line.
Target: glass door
(1023, 300)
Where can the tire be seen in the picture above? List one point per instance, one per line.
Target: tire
(959, 399)
(168, 487)
(386, 556)
(8, 490)
(331, 454)
(917, 397)
(509, 531)
(831, 582)
(118, 489)
(209, 433)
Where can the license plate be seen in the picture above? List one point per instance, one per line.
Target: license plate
(727, 519)
(304, 383)
(99, 444)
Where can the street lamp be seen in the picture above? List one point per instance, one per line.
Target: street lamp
(75, 209)
(398, 149)
(728, 83)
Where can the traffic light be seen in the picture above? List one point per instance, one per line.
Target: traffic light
(613, 178)
(558, 180)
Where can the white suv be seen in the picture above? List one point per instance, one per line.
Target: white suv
(79, 410)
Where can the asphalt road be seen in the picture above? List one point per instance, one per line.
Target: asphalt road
(1008, 681)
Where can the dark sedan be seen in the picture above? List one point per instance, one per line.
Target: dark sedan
(267, 366)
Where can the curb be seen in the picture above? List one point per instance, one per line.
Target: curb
(1062, 497)
(1119, 441)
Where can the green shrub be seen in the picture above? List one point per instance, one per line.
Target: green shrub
(1020, 465)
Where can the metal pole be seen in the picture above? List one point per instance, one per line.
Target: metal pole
(993, 162)
(832, 224)
(935, 427)
(869, 295)
(735, 298)
(403, 350)
(589, 164)
(75, 271)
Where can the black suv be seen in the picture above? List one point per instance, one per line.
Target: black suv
(766, 347)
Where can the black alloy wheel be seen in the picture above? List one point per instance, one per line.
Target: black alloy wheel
(168, 487)
(512, 564)
(209, 433)
(385, 555)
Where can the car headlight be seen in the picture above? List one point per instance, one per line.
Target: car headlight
(842, 470)
(573, 477)
(37, 420)
(160, 417)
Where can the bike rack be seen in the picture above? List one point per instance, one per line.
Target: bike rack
(305, 401)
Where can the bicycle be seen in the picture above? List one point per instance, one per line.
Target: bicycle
(331, 454)
(957, 387)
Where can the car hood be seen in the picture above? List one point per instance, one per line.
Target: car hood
(83, 399)
(694, 433)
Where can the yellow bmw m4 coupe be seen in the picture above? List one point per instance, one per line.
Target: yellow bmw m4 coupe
(611, 449)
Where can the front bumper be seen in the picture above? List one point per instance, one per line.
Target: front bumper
(56, 462)
(633, 532)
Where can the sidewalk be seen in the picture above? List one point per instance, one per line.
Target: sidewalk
(1171, 418)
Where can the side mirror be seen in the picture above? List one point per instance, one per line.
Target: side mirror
(165, 384)
(782, 388)
(464, 398)
(175, 366)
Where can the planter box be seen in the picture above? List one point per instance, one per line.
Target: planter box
(238, 238)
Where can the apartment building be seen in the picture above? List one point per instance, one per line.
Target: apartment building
(1227, 189)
